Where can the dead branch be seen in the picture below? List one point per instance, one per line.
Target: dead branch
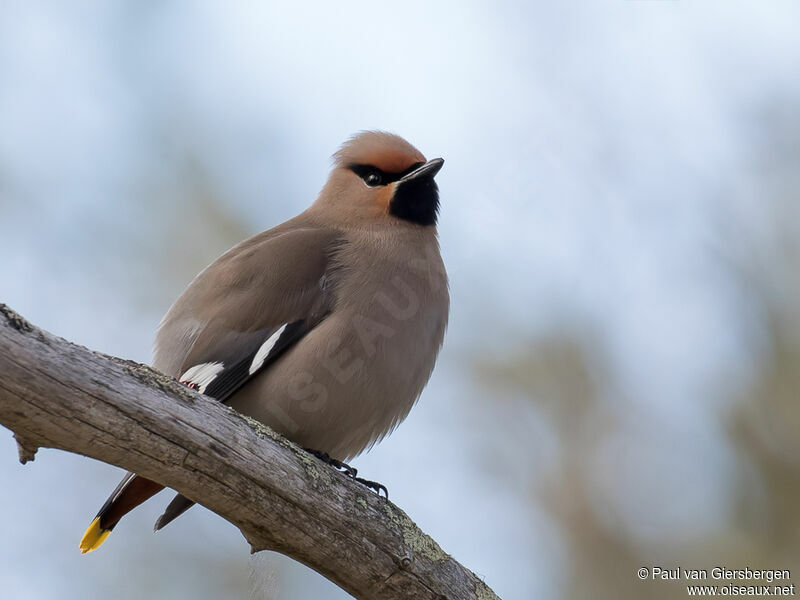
(56, 394)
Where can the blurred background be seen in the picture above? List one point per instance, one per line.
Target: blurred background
(620, 383)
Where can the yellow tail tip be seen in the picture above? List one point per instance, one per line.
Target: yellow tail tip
(94, 537)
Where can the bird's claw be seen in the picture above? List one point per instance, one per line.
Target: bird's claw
(337, 464)
(374, 486)
(349, 471)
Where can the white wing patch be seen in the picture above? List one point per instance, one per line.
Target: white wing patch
(202, 375)
(263, 352)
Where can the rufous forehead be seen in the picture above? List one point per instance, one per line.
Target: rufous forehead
(388, 152)
(390, 161)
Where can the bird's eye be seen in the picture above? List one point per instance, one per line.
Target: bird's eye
(372, 176)
(372, 179)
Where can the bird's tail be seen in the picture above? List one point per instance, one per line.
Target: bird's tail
(130, 493)
(178, 506)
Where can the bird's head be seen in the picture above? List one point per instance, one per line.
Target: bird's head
(378, 175)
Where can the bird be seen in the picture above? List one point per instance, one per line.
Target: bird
(326, 327)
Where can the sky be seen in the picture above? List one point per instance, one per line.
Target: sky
(595, 154)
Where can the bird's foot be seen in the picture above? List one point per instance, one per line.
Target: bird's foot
(336, 464)
(374, 486)
(349, 471)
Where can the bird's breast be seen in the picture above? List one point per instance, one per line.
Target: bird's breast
(357, 374)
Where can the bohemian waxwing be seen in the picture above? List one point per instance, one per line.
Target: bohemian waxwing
(326, 327)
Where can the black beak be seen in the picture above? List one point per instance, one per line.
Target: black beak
(429, 169)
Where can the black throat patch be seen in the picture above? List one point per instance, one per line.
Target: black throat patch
(416, 200)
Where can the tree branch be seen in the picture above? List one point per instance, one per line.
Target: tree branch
(59, 395)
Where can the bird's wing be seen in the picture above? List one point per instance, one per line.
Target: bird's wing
(243, 311)
(235, 358)
(247, 308)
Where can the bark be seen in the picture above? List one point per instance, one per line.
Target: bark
(57, 394)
